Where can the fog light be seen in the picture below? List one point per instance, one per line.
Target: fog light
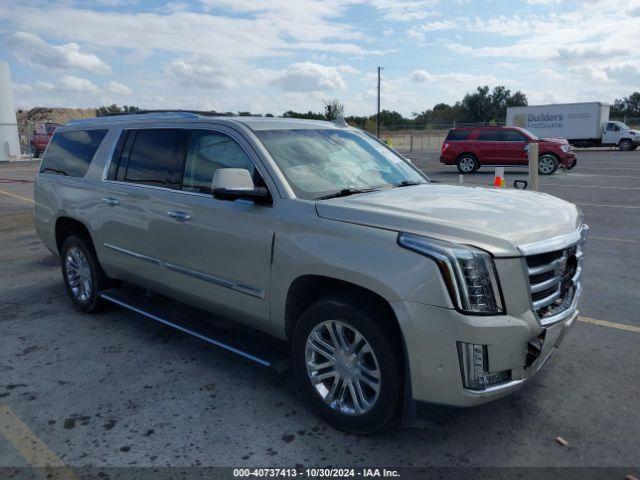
(474, 368)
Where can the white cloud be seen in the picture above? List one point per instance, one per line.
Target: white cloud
(118, 88)
(406, 10)
(34, 51)
(21, 87)
(544, 2)
(419, 32)
(202, 71)
(423, 76)
(308, 76)
(69, 83)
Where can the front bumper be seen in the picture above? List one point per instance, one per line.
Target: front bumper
(431, 334)
(568, 160)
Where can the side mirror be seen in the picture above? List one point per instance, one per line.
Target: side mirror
(236, 184)
(526, 148)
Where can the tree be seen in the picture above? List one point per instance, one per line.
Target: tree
(627, 106)
(115, 109)
(391, 117)
(333, 109)
(479, 104)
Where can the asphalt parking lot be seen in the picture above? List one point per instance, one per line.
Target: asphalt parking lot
(113, 389)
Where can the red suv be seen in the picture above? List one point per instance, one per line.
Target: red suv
(41, 138)
(472, 147)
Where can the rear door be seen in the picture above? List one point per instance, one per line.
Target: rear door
(489, 146)
(147, 162)
(513, 147)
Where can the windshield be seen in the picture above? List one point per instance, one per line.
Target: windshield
(320, 162)
(622, 126)
(531, 135)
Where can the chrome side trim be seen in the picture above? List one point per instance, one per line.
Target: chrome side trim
(137, 255)
(213, 341)
(552, 244)
(221, 282)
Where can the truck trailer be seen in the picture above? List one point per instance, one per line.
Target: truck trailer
(582, 124)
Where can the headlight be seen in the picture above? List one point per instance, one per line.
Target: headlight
(566, 148)
(469, 273)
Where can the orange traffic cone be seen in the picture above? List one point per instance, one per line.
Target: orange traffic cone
(498, 180)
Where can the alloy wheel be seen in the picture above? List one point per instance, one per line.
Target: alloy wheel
(342, 367)
(546, 165)
(467, 164)
(78, 274)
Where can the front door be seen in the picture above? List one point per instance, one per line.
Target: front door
(217, 253)
(513, 148)
(611, 134)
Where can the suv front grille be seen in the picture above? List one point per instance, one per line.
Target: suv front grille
(554, 279)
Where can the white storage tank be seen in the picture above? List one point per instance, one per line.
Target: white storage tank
(9, 142)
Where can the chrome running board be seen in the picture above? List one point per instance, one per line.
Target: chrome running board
(214, 336)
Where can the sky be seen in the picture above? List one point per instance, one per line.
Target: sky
(270, 56)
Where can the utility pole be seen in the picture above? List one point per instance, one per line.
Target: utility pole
(378, 112)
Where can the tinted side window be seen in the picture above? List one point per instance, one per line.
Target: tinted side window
(209, 151)
(457, 135)
(490, 135)
(70, 153)
(513, 136)
(156, 157)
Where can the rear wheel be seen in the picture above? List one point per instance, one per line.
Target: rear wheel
(547, 164)
(467, 163)
(625, 145)
(82, 274)
(347, 366)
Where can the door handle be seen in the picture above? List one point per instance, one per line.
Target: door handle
(181, 216)
(112, 202)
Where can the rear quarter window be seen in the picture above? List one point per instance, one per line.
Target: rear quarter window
(71, 153)
(458, 135)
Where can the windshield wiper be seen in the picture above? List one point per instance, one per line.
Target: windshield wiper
(409, 183)
(345, 192)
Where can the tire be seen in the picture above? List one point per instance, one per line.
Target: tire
(467, 163)
(379, 400)
(547, 164)
(625, 145)
(82, 274)
(36, 154)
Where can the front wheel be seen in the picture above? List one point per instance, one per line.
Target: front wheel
(625, 145)
(547, 164)
(347, 366)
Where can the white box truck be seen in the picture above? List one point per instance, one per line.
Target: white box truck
(582, 124)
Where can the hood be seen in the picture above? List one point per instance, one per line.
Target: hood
(495, 220)
(562, 141)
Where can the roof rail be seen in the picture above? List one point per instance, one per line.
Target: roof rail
(141, 114)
